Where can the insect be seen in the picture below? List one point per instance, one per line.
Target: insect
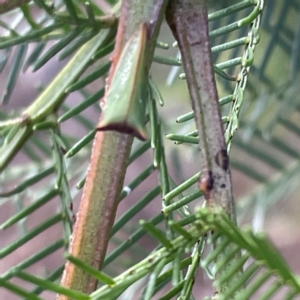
(206, 183)
(125, 104)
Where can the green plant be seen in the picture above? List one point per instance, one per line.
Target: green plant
(44, 162)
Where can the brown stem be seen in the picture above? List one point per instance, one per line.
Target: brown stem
(188, 21)
(97, 207)
(189, 24)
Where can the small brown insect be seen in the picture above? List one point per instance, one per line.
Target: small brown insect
(206, 183)
(222, 159)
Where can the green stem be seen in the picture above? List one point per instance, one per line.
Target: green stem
(109, 159)
(98, 206)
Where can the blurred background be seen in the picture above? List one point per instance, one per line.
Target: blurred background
(264, 154)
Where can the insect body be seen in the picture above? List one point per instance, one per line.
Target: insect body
(125, 104)
(206, 183)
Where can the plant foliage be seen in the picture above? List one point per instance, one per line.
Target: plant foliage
(44, 163)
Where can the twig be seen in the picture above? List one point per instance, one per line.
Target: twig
(189, 24)
(109, 156)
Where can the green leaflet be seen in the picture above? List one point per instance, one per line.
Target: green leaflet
(125, 104)
(20, 129)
